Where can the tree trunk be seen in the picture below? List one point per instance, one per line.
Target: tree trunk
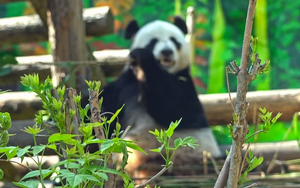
(67, 39)
(241, 128)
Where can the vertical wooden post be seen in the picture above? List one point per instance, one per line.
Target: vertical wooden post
(67, 39)
(190, 37)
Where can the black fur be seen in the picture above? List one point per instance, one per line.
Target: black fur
(131, 29)
(166, 97)
(180, 23)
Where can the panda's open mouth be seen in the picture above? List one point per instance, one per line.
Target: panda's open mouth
(167, 62)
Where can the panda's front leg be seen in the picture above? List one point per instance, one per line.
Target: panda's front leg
(144, 65)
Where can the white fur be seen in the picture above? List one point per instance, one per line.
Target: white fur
(162, 31)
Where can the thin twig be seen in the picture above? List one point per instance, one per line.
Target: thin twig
(104, 113)
(154, 177)
(205, 171)
(125, 132)
(228, 88)
(252, 185)
(253, 134)
(214, 163)
(243, 163)
(17, 163)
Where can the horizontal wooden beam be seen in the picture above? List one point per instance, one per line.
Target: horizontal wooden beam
(23, 29)
(111, 62)
(9, 1)
(219, 110)
(23, 105)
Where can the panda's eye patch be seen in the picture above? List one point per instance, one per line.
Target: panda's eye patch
(177, 44)
(151, 44)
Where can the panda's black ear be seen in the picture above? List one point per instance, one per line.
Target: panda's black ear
(131, 29)
(180, 23)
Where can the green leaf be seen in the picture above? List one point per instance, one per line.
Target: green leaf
(27, 184)
(52, 146)
(72, 165)
(60, 137)
(4, 138)
(178, 142)
(23, 151)
(172, 127)
(101, 175)
(5, 121)
(263, 110)
(94, 141)
(107, 144)
(250, 154)
(156, 133)
(135, 147)
(155, 150)
(11, 153)
(38, 149)
(36, 173)
(34, 130)
(8, 148)
(115, 115)
(125, 155)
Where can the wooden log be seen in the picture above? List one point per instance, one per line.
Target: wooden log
(98, 21)
(23, 105)
(9, 1)
(286, 150)
(219, 111)
(111, 62)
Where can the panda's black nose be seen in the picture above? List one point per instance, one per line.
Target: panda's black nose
(166, 52)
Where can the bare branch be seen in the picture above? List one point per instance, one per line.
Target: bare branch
(154, 177)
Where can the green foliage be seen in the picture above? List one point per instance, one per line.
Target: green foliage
(218, 55)
(295, 124)
(5, 121)
(252, 162)
(5, 124)
(5, 61)
(258, 68)
(93, 85)
(266, 117)
(80, 168)
(164, 137)
(4, 138)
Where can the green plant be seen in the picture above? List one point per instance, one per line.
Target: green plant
(5, 124)
(252, 162)
(73, 136)
(166, 150)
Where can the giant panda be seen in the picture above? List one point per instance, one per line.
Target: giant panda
(157, 89)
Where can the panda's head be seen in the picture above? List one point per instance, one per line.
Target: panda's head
(165, 40)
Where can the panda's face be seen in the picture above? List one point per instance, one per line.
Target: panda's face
(167, 43)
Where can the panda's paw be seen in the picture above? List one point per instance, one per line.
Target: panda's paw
(140, 56)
